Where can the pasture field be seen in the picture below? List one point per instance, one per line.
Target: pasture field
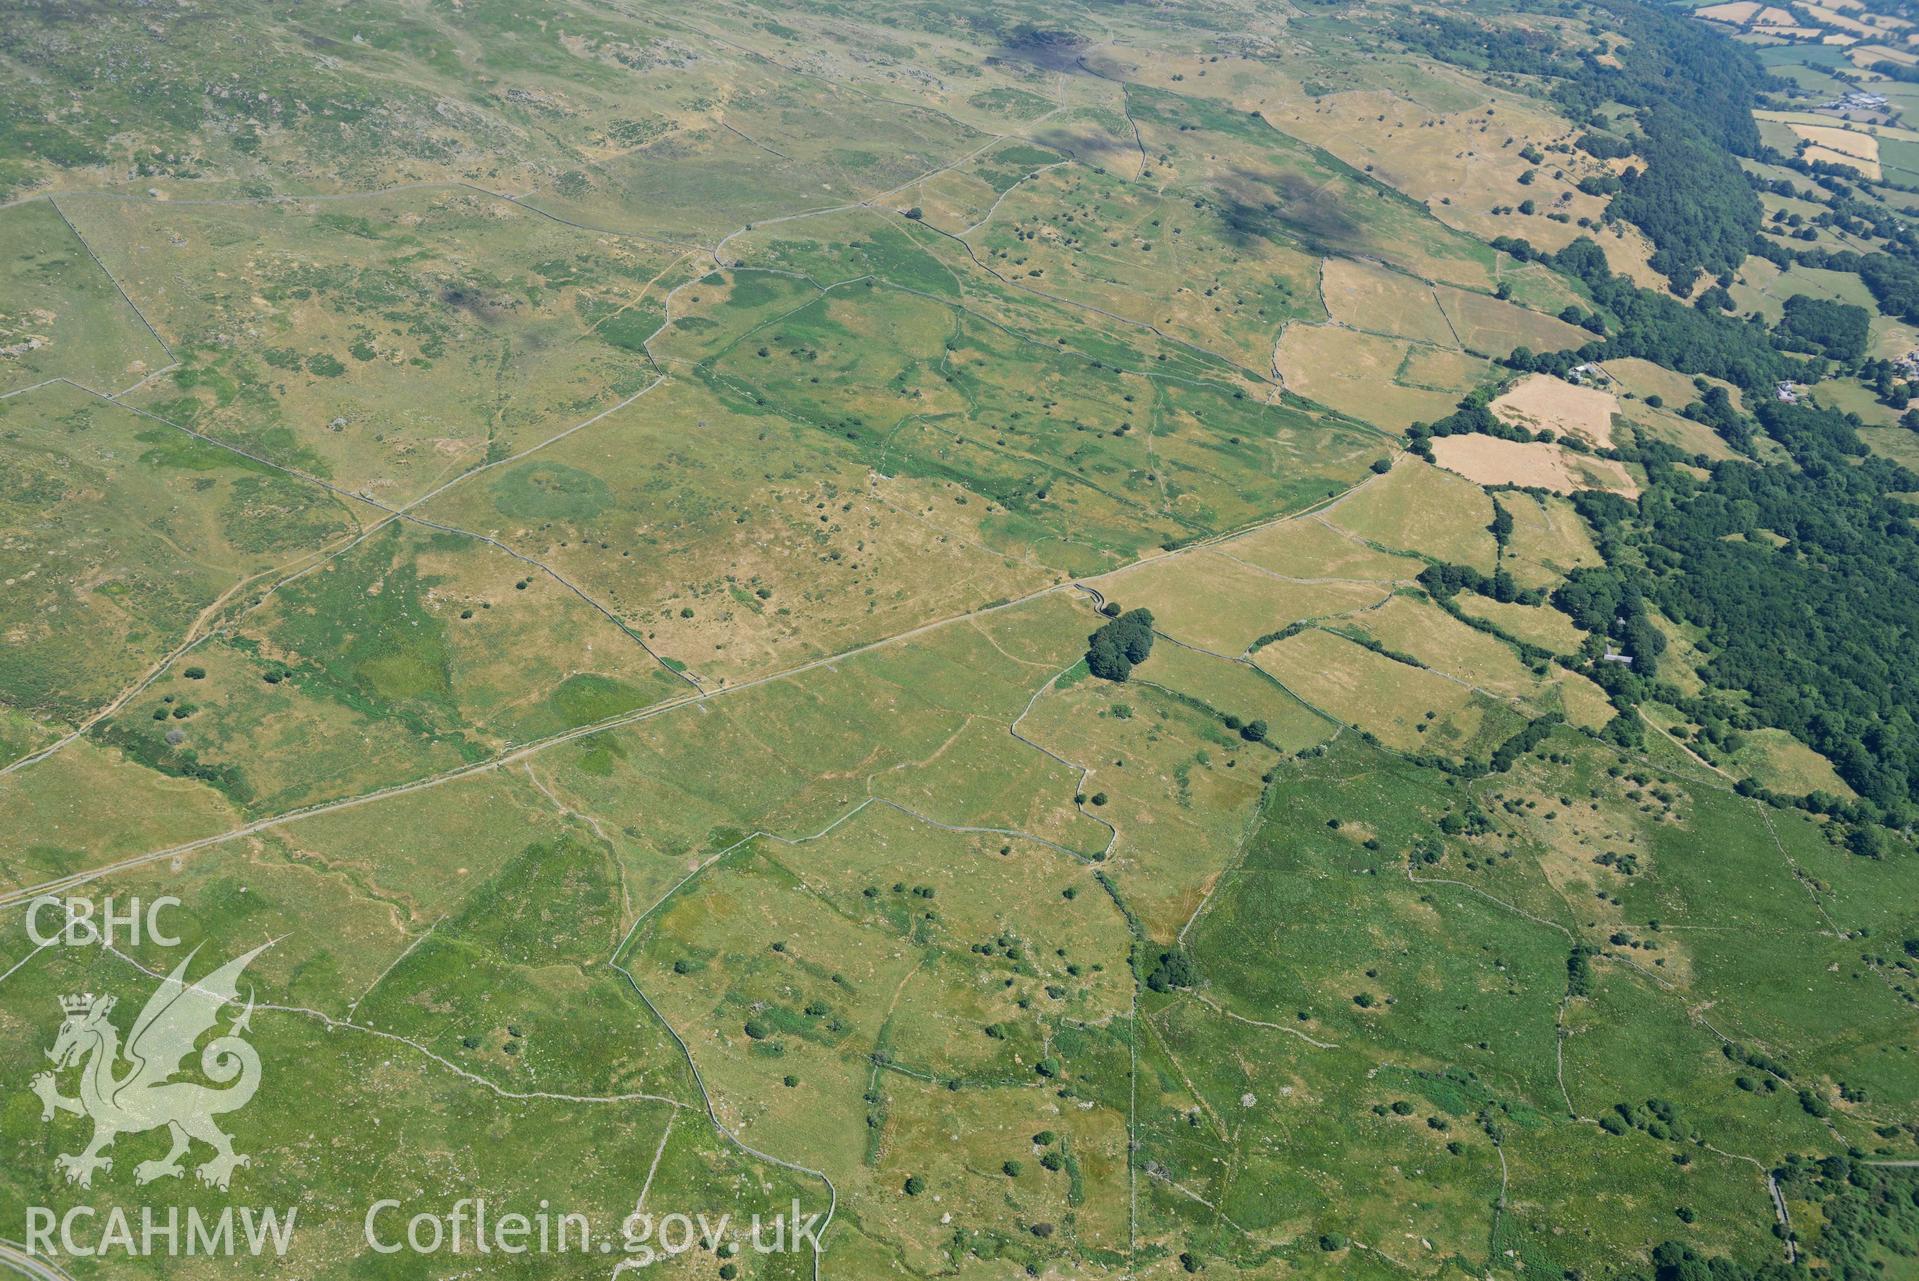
(64, 317)
(1149, 256)
(1764, 288)
(1443, 143)
(89, 805)
(960, 199)
(735, 540)
(1850, 397)
(407, 654)
(1642, 378)
(21, 735)
(492, 1013)
(1388, 382)
(1224, 605)
(1894, 443)
(1782, 762)
(1239, 688)
(1407, 707)
(1418, 507)
(795, 755)
(1409, 625)
(1488, 326)
(1682, 433)
(1539, 1128)
(1177, 784)
(1540, 625)
(1311, 548)
(838, 1009)
(1328, 204)
(712, 171)
(1366, 296)
(388, 344)
(121, 533)
(1320, 885)
(1890, 339)
(833, 610)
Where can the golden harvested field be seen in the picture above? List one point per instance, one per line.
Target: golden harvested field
(1865, 55)
(1540, 401)
(1880, 25)
(1488, 460)
(1748, 14)
(1891, 133)
(1841, 147)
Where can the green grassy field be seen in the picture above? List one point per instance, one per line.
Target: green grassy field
(606, 541)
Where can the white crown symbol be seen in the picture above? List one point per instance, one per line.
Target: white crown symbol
(77, 1004)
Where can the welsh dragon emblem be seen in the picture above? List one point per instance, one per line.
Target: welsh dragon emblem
(129, 1090)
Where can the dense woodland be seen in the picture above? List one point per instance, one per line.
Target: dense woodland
(1801, 580)
(1799, 574)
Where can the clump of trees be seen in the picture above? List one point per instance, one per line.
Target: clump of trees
(1607, 602)
(1445, 580)
(1604, 146)
(1579, 970)
(1657, 1117)
(1173, 969)
(1117, 648)
(1524, 741)
(1824, 327)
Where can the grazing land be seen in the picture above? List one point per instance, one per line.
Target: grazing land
(1104, 642)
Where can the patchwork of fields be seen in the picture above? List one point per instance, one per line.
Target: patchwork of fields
(582, 533)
